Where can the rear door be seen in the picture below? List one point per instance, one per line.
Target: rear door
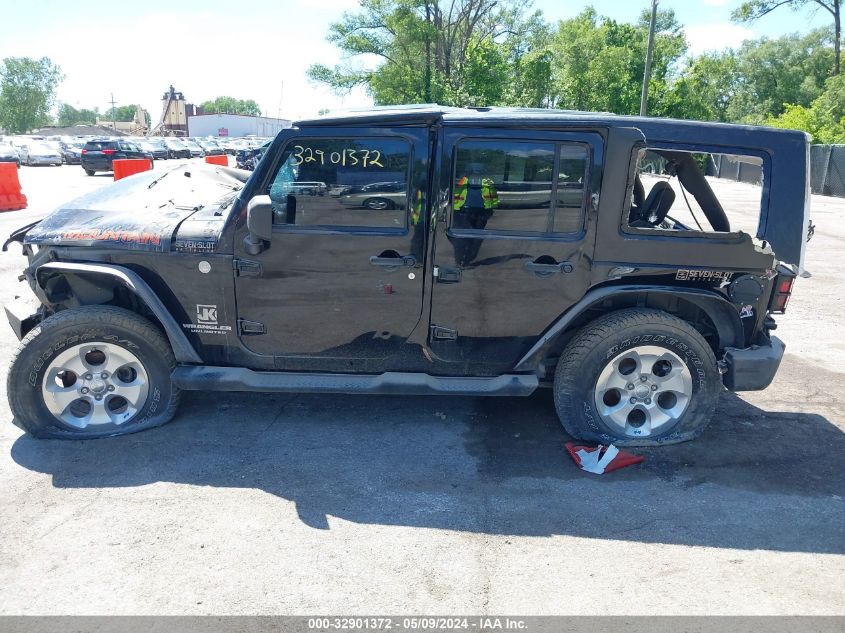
(513, 242)
(340, 286)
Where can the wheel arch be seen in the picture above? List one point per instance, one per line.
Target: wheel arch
(83, 281)
(721, 316)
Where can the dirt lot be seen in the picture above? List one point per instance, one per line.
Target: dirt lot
(280, 504)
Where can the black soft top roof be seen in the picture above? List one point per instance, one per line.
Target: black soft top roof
(422, 114)
(784, 218)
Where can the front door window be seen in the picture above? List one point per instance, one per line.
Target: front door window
(342, 182)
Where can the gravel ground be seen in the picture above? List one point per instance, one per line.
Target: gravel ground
(279, 504)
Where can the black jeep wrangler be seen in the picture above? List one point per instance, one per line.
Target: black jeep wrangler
(631, 264)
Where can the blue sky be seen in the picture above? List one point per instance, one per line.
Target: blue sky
(260, 49)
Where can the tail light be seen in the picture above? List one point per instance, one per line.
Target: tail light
(85, 151)
(108, 152)
(783, 290)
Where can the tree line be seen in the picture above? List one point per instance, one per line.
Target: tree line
(497, 53)
(27, 95)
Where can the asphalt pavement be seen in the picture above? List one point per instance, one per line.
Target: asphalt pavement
(299, 504)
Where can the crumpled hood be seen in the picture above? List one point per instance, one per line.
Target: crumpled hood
(141, 212)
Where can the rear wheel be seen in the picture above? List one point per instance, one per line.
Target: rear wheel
(90, 372)
(378, 204)
(637, 377)
(90, 172)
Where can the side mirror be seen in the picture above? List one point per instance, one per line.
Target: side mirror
(259, 223)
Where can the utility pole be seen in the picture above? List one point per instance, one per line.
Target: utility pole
(113, 124)
(648, 55)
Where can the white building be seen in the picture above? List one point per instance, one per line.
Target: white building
(234, 125)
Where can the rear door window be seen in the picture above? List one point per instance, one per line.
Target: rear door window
(511, 187)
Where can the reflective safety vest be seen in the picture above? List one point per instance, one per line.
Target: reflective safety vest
(488, 194)
(416, 208)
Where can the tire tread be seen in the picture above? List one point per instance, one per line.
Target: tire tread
(77, 318)
(594, 334)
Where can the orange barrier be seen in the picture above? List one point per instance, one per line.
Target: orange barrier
(218, 160)
(124, 167)
(11, 198)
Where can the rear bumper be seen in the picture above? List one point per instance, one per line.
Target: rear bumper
(753, 368)
(103, 164)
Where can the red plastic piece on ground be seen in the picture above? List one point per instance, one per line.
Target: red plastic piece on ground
(124, 167)
(11, 198)
(218, 160)
(623, 459)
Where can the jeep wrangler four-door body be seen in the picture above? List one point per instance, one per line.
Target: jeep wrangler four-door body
(452, 251)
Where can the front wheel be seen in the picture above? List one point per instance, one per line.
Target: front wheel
(90, 372)
(637, 377)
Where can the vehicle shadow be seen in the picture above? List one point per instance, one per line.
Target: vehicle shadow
(755, 480)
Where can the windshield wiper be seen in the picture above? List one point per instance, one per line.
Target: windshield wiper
(156, 181)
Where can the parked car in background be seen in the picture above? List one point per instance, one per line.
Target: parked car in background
(159, 147)
(210, 147)
(176, 148)
(248, 158)
(39, 153)
(98, 154)
(8, 154)
(228, 145)
(196, 148)
(71, 151)
(376, 196)
(240, 145)
(158, 151)
(309, 188)
(335, 191)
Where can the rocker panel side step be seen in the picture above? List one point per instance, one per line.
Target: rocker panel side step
(399, 383)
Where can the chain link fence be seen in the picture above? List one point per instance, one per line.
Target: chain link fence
(740, 168)
(827, 169)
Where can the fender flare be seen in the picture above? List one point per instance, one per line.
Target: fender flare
(182, 348)
(721, 312)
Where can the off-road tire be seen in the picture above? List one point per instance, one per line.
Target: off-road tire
(597, 343)
(90, 324)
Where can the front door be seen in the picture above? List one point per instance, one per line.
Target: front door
(340, 285)
(513, 241)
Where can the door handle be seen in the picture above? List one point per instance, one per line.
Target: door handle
(393, 262)
(543, 270)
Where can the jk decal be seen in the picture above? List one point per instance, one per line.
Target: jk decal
(207, 321)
